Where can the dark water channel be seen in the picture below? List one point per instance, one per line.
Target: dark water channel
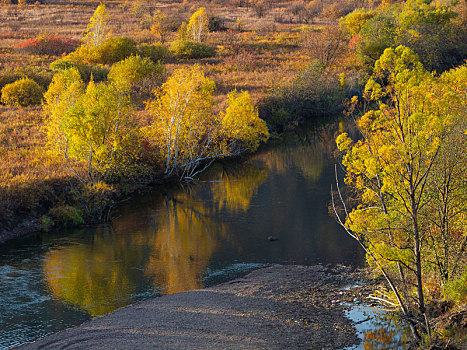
(165, 242)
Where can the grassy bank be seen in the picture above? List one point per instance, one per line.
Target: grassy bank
(258, 50)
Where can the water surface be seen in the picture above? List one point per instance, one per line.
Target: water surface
(174, 240)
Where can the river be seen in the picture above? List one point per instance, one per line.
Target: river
(173, 240)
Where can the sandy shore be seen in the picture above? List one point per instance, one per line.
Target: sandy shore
(280, 307)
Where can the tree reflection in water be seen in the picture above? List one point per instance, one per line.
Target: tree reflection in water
(388, 332)
(186, 236)
(165, 243)
(173, 251)
(96, 276)
(237, 185)
(380, 329)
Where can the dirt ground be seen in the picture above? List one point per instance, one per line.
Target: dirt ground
(280, 307)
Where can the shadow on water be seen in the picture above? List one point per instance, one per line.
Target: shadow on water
(180, 239)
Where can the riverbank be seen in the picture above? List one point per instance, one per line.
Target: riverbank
(280, 307)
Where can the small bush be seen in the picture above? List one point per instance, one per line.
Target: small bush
(43, 77)
(116, 49)
(23, 92)
(97, 71)
(48, 44)
(156, 52)
(144, 36)
(64, 215)
(8, 76)
(191, 50)
(62, 64)
(110, 51)
(315, 93)
(96, 200)
(140, 75)
(216, 24)
(132, 70)
(456, 290)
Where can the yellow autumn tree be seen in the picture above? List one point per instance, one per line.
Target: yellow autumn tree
(241, 122)
(198, 26)
(91, 128)
(64, 93)
(184, 127)
(189, 134)
(160, 26)
(96, 31)
(393, 166)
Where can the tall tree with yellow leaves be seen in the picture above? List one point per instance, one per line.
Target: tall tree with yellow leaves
(96, 31)
(198, 26)
(189, 135)
(392, 167)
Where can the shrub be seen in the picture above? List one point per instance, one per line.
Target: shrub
(97, 71)
(314, 93)
(96, 200)
(62, 64)
(191, 50)
(456, 290)
(23, 92)
(110, 51)
(8, 76)
(41, 76)
(216, 24)
(116, 49)
(144, 36)
(48, 44)
(139, 76)
(84, 54)
(64, 215)
(132, 70)
(156, 52)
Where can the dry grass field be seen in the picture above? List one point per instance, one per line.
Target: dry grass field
(254, 53)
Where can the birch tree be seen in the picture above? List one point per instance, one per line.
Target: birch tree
(392, 167)
(187, 132)
(96, 31)
(197, 27)
(184, 127)
(91, 128)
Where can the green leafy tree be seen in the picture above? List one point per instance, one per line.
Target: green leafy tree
(428, 28)
(377, 34)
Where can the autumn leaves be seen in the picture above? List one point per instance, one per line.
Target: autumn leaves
(407, 171)
(94, 126)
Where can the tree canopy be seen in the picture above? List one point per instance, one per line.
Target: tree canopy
(399, 171)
